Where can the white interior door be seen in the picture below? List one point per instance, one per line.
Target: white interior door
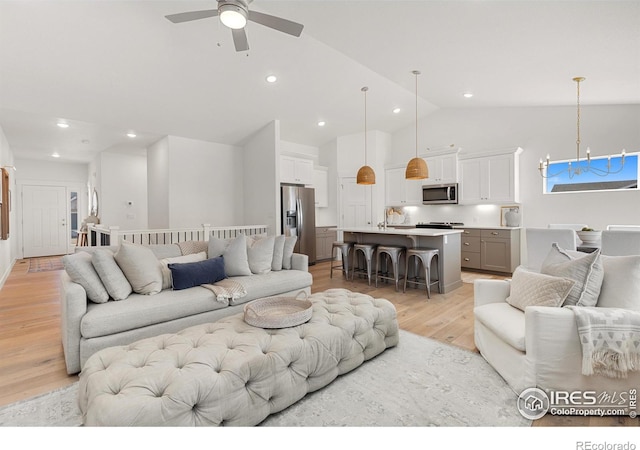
(44, 221)
(355, 203)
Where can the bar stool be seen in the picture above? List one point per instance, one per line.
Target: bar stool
(388, 252)
(426, 256)
(367, 251)
(345, 249)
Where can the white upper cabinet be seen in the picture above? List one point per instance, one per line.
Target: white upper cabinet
(321, 185)
(490, 177)
(400, 191)
(443, 169)
(296, 170)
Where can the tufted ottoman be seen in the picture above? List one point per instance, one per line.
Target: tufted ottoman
(230, 373)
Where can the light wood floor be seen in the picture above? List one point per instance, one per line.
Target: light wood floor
(31, 357)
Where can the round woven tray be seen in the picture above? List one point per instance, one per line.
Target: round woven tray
(278, 312)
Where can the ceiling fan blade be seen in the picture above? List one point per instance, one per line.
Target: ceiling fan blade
(277, 23)
(240, 40)
(192, 15)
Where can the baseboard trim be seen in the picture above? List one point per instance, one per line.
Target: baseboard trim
(6, 273)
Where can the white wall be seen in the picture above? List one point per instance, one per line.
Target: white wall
(123, 200)
(538, 130)
(261, 166)
(205, 183)
(8, 248)
(158, 184)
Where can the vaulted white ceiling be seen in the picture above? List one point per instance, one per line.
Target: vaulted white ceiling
(111, 67)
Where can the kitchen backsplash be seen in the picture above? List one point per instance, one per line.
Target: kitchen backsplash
(473, 215)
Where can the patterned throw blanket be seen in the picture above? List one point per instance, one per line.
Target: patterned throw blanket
(226, 290)
(610, 339)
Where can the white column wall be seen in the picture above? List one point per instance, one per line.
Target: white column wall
(261, 166)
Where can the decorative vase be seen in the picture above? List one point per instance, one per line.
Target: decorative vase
(512, 218)
(590, 237)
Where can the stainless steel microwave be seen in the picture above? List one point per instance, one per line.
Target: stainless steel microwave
(439, 194)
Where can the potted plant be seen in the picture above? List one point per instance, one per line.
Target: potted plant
(589, 236)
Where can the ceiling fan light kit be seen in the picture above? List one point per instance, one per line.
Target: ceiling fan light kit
(234, 14)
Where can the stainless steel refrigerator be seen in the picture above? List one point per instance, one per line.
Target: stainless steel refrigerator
(299, 218)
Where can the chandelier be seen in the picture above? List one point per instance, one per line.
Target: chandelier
(579, 167)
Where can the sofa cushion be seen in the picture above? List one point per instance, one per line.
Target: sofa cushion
(187, 275)
(140, 310)
(621, 283)
(141, 267)
(260, 253)
(111, 275)
(586, 271)
(536, 289)
(167, 281)
(80, 269)
(278, 252)
(504, 321)
(236, 259)
(287, 253)
(165, 250)
(272, 283)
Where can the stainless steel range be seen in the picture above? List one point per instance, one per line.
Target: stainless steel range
(439, 225)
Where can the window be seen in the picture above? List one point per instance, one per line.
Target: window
(569, 181)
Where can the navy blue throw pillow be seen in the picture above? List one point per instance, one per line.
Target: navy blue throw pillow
(188, 275)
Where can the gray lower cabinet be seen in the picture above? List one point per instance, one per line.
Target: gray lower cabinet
(325, 237)
(491, 249)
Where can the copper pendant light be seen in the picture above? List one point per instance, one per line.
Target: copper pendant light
(417, 168)
(366, 175)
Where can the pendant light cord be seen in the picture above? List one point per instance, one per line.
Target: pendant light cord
(365, 89)
(416, 73)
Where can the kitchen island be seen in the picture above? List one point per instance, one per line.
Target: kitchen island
(446, 241)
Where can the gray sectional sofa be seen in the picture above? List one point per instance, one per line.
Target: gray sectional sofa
(91, 325)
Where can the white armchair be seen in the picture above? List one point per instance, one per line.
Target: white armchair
(536, 348)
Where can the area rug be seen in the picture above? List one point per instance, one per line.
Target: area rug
(45, 264)
(421, 382)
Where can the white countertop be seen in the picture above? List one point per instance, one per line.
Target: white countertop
(401, 231)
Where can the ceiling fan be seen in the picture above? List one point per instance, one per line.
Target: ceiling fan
(234, 14)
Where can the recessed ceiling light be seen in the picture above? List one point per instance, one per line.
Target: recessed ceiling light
(322, 123)
(271, 78)
(55, 155)
(63, 124)
(131, 134)
(467, 95)
(396, 110)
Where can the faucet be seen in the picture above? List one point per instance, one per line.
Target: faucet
(385, 219)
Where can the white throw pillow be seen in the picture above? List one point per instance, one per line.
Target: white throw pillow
(621, 283)
(260, 253)
(81, 271)
(289, 244)
(111, 275)
(236, 259)
(585, 270)
(537, 289)
(167, 281)
(278, 253)
(141, 267)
